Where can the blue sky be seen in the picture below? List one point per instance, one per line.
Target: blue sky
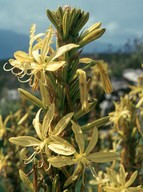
(123, 19)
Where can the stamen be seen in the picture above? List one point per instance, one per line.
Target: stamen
(4, 67)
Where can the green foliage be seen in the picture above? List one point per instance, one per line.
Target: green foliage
(63, 154)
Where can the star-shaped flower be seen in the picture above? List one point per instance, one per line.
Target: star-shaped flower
(46, 133)
(84, 157)
(119, 182)
(121, 113)
(40, 58)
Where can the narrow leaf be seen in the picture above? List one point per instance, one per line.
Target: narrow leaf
(30, 98)
(26, 180)
(97, 123)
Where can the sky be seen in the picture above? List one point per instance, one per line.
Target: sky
(123, 19)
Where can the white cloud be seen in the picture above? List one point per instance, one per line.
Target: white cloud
(112, 27)
(18, 15)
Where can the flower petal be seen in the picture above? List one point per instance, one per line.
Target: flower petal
(78, 136)
(122, 177)
(62, 124)
(53, 66)
(36, 56)
(61, 161)
(113, 176)
(105, 79)
(61, 146)
(92, 142)
(22, 56)
(62, 50)
(46, 42)
(47, 120)
(37, 125)
(132, 179)
(101, 157)
(25, 141)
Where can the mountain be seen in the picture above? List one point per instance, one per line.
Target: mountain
(99, 47)
(11, 42)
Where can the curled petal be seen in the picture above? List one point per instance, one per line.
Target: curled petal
(23, 81)
(4, 67)
(24, 156)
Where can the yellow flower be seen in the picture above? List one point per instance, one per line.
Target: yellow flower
(83, 89)
(99, 69)
(121, 112)
(100, 179)
(3, 125)
(84, 158)
(40, 58)
(104, 77)
(46, 134)
(3, 161)
(119, 182)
